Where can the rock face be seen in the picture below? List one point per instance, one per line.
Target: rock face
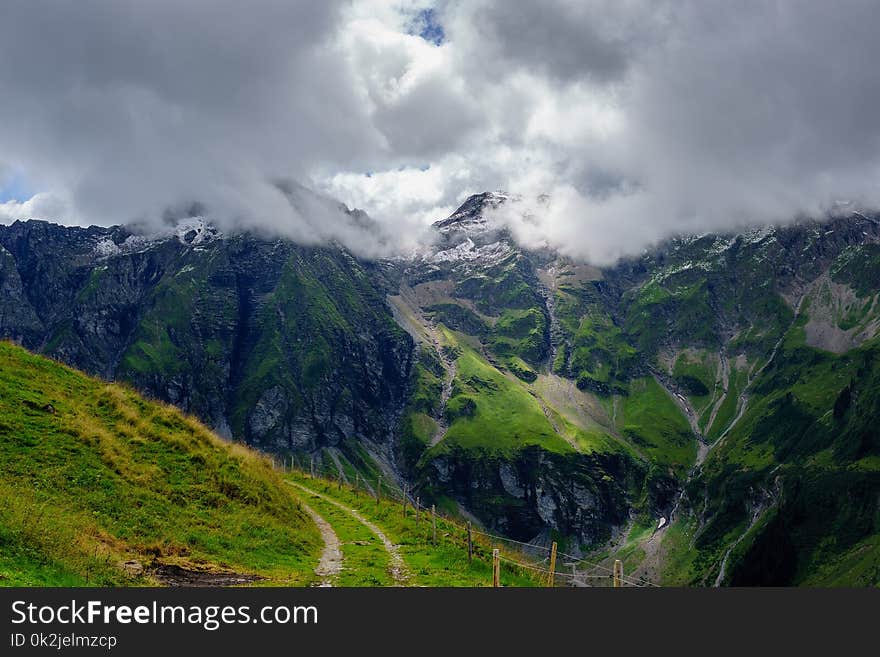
(537, 490)
(538, 393)
(286, 347)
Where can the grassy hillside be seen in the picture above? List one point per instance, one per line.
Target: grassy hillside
(93, 476)
(794, 486)
(491, 411)
(651, 420)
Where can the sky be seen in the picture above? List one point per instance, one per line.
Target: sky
(633, 120)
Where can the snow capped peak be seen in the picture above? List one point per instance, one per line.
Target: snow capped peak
(191, 232)
(469, 236)
(470, 213)
(195, 230)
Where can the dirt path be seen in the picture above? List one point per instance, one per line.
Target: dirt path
(177, 575)
(399, 571)
(331, 558)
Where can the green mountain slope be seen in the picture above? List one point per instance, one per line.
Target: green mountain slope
(704, 410)
(791, 494)
(93, 476)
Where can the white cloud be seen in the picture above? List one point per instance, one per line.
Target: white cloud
(44, 206)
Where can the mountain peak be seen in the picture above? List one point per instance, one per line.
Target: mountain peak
(471, 211)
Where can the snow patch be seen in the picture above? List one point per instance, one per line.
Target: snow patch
(468, 251)
(192, 232)
(106, 248)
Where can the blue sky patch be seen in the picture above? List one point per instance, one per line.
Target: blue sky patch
(427, 25)
(14, 188)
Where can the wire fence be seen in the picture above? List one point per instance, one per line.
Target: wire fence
(524, 556)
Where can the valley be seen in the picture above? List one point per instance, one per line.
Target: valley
(704, 412)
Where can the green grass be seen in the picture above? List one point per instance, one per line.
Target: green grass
(631, 552)
(686, 303)
(520, 333)
(490, 411)
(859, 266)
(154, 350)
(93, 284)
(809, 433)
(679, 564)
(521, 369)
(600, 355)
(652, 421)
(695, 374)
(504, 286)
(92, 475)
(458, 317)
(858, 566)
(728, 408)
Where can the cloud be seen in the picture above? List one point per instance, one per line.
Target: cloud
(45, 206)
(563, 40)
(639, 119)
(683, 117)
(129, 108)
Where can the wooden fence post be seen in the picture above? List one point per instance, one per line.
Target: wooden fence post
(496, 568)
(357, 484)
(618, 573)
(418, 509)
(378, 489)
(434, 523)
(312, 467)
(404, 500)
(551, 578)
(470, 542)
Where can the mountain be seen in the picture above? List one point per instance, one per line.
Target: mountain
(704, 411)
(282, 346)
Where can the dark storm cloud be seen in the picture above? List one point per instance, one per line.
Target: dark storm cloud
(562, 39)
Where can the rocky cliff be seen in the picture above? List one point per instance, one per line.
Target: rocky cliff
(288, 348)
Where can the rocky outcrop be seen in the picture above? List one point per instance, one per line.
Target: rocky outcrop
(286, 347)
(584, 497)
